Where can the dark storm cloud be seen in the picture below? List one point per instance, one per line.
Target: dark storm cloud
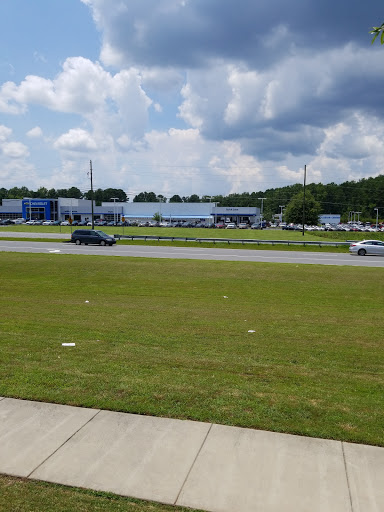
(186, 34)
(274, 75)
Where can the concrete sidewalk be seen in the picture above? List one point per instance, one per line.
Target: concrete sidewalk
(199, 465)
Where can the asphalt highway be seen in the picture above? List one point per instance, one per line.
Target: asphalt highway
(140, 251)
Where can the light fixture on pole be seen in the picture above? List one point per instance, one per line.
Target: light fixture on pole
(377, 217)
(358, 217)
(261, 211)
(114, 199)
(90, 175)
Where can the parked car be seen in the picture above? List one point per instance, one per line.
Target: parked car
(220, 225)
(64, 223)
(364, 247)
(243, 225)
(48, 223)
(256, 226)
(230, 225)
(91, 236)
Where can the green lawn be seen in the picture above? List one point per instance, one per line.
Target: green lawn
(20, 495)
(170, 338)
(265, 234)
(247, 234)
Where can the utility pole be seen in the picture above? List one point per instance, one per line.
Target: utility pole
(90, 175)
(305, 179)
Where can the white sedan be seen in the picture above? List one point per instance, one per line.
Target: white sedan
(364, 247)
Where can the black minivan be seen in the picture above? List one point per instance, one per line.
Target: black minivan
(91, 236)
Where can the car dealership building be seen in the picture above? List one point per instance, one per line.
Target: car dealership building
(81, 210)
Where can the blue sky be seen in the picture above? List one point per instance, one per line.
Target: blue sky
(189, 96)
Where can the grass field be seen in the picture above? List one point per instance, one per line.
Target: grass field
(171, 338)
(20, 495)
(265, 234)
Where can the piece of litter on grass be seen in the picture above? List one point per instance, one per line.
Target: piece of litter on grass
(54, 250)
(68, 344)
(225, 297)
(87, 301)
(251, 331)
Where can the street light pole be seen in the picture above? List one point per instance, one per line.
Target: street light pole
(261, 211)
(281, 212)
(90, 174)
(114, 199)
(305, 180)
(377, 217)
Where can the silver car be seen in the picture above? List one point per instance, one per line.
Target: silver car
(364, 247)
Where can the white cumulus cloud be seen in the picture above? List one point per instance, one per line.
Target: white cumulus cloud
(76, 139)
(35, 132)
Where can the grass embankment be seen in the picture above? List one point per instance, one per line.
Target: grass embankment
(22, 495)
(246, 234)
(170, 338)
(264, 234)
(258, 234)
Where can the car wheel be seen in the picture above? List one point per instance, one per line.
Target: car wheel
(102, 242)
(78, 242)
(361, 252)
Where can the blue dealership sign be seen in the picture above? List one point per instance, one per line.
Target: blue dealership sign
(36, 203)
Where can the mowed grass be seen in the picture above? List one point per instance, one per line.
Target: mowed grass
(257, 234)
(171, 338)
(20, 495)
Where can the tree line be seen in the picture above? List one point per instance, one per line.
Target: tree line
(99, 195)
(359, 196)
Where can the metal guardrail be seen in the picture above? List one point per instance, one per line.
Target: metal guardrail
(243, 241)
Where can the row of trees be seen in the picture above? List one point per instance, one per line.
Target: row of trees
(362, 196)
(99, 195)
(151, 197)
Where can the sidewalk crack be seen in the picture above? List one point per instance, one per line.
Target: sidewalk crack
(62, 444)
(346, 474)
(193, 464)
